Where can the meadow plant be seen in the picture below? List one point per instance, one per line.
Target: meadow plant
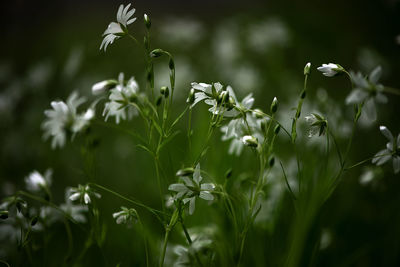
(238, 198)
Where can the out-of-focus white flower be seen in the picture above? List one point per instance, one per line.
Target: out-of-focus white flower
(269, 34)
(84, 193)
(125, 216)
(367, 91)
(192, 188)
(119, 100)
(117, 29)
(317, 123)
(36, 181)
(392, 150)
(76, 211)
(331, 69)
(250, 141)
(64, 118)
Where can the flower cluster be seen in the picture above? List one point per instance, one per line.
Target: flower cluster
(64, 119)
(121, 95)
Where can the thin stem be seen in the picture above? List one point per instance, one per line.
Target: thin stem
(154, 211)
(366, 160)
(164, 247)
(391, 90)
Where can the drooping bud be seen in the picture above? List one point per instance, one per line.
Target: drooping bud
(147, 21)
(101, 87)
(185, 172)
(307, 69)
(274, 105)
(156, 53)
(331, 69)
(164, 90)
(250, 141)
(190, 98)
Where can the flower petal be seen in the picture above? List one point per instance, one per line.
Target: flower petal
(385, 131)
(206, 195)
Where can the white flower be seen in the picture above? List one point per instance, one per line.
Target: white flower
(367, 91)
(192, 188)
(36, 181)
(125, 215)
(119, 99)
(116, 30)
(392, 150)
(317, 123)
(64, 118)
(236, 129)
(75, 211)
(83, 193)
(331, 69)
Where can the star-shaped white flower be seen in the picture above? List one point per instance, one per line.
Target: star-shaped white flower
(64, 118)
(84, 193)
(117, 29)
(192, 188)
(119, 99)
(391, 152)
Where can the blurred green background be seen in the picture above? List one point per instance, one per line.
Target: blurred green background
(50, 48)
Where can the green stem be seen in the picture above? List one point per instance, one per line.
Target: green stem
(164, 247)
(153, 211)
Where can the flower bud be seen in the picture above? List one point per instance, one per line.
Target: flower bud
(3, 214)
(171, 64)
(307, 69)
(190, 98)
(223, 97)
(228, 173)
(156, 53)
(303, 94)
(277, 129)
(158, 101)
(185, 172)
(258, 113)
(250, 141)
(34, 220)
(164, 90)
(271, 161)
(147, 21)
(274, 105)
(101, 87)
(331, 69)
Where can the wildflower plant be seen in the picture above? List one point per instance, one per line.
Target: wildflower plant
(238, 197)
